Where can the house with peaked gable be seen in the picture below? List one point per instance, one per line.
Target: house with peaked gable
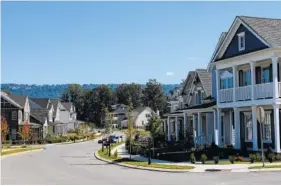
(245, 68)
(195, 113)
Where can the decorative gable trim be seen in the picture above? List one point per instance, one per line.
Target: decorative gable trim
(231, 33)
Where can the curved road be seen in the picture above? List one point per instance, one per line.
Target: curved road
(75, 164)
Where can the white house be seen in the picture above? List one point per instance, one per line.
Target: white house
(140, 117)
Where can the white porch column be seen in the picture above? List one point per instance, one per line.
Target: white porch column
(219, 127)
(218, 84)
(194, 128)
(255, 128)
(216, 134)
(184, 124)
(276, 128)
(253, 79)
(199, 126)
(169, 129)
(234, 72)
(237, 128)
(275, 77)
(177, 128)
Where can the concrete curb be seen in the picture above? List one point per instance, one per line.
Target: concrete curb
(139, 167)
(18, 153)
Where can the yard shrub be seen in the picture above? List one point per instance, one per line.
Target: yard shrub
(216, 159)
(252, 158)
(270, 157)
(278, 157)
(116, 154)
(23, 146)
(192, 158)
(203, 158)
(231, 159)
(258, 157)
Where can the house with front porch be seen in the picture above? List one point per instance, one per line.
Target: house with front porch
(194, 113)
(245, 68)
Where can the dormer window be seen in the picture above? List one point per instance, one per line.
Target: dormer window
(241, 41)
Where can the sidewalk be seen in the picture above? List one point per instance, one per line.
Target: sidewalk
(198, 166)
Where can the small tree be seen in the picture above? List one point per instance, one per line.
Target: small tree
(131, 131)
(25, 132)
(4, 129)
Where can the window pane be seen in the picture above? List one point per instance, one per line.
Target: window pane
(267, 127)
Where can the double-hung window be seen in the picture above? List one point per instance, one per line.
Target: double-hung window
(241, 41)
(247, 75)
(266, 75)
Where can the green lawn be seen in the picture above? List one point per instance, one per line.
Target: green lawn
(265, 167)
(226, 162)
(17, 150)
(104, 155)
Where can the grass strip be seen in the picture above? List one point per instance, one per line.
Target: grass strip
(18, 150)
(265, 167)
(127, 161)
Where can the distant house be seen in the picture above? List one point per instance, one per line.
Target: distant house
(12, 112)
(22, 115)
(140, 117)
(69, 115)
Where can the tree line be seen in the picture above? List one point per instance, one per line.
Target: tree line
(91, 104)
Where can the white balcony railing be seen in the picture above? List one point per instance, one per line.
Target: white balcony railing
(263, 91)
(243, 93)
(226, 95)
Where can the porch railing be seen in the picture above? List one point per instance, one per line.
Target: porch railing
(243, 93)
(202, 140)
(263, 91)
(226, 95)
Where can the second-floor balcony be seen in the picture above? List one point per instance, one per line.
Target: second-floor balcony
(235, 84)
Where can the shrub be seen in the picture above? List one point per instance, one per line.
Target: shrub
(252, 158)
(231, 159)
(23, 146)
(192, 158)
(116, 154)
(203, 158)
(258, 157)
(270, 157)
(216, 159)
(278, 157)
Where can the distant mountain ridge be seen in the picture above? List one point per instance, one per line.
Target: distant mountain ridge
(55, 91)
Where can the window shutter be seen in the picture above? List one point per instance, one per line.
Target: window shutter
(270, 73)
(258, 75)
(240, 78)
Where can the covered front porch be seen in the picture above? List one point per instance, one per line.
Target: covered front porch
(197, 122)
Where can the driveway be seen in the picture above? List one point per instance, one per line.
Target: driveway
(75, 164)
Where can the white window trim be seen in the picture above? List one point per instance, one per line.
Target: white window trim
(241, 35)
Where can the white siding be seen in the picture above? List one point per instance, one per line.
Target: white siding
(142, 120)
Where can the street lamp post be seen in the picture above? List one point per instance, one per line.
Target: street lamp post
(149, 151)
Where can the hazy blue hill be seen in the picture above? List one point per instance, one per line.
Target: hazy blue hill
(54, 91)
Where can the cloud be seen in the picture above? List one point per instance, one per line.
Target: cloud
(169, 73)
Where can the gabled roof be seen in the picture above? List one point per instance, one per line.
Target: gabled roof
(188, 81)
(206, 80)
(34, 105)
(221, 38)
(67, 105)
(10, 100)
(269, 29)
(40, 115)
(20, 99)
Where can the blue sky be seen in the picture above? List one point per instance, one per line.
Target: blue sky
(114, 42)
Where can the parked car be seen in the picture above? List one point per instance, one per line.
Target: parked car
(113, 139)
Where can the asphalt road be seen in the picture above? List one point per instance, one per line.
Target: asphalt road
(75, 164)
